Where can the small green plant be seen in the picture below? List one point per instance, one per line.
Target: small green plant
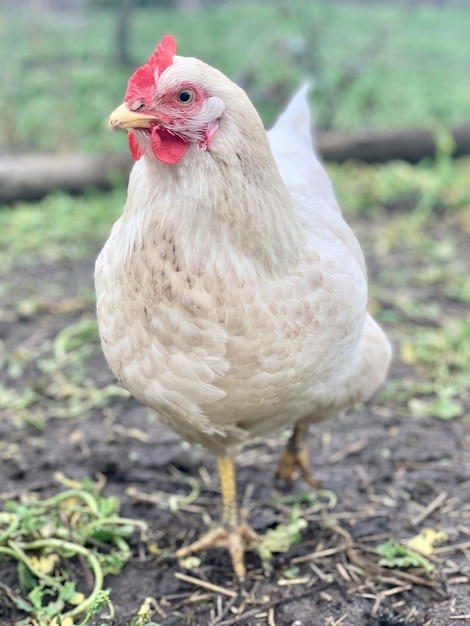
(144, 615)
(283, 536)
(396, 555)
(44, 537)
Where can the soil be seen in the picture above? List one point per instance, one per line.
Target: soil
(393, 476)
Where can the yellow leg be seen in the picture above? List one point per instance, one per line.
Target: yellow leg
(228, 487)
(231, 534)
(295, 455)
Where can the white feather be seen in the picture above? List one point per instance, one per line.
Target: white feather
(293, 150)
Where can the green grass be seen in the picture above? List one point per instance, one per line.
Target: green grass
(407, 67)
(59, 228)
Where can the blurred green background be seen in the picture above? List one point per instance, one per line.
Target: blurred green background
(373, 64)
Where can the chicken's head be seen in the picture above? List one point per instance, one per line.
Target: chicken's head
(168, 106)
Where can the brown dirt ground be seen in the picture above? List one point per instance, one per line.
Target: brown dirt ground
(384, 467)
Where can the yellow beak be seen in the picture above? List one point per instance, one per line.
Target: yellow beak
(123, 118)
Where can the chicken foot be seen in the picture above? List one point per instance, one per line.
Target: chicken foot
(295, 455)
(234, 531)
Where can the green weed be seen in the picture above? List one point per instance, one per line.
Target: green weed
(44, 537)
(281, 538)
(394, 554)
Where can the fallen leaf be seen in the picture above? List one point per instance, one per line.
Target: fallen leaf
(45, 564)
(424, 542)
(64, 621)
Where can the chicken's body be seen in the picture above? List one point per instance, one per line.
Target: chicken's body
(231, 293)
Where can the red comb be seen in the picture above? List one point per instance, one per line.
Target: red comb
(166, 50)
(141, 84)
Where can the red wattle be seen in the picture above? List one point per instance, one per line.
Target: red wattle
(134, 146)
(166, 147)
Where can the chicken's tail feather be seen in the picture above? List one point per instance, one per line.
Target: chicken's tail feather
(296, 119)
(293, 149)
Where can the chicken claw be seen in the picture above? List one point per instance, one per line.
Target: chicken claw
(232, 533)
(233, 539)
(295, 455)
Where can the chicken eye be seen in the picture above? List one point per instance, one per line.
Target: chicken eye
(185, 96)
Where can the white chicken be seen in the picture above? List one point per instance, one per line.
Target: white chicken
(231, 294)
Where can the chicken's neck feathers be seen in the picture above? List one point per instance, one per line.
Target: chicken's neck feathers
(228, 208)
